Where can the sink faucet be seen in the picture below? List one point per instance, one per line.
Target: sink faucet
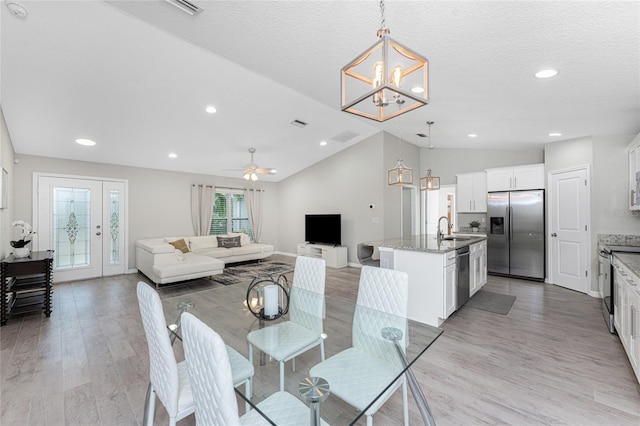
(440, 233)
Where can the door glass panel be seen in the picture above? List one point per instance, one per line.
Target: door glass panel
(114, 227)
(71, 223)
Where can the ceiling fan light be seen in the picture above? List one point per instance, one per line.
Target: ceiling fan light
(246, 176)
(254, 177)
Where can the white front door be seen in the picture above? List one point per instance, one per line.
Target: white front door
(569, 237)
(82, 221)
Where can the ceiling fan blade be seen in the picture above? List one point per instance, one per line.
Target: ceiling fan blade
(266, 171)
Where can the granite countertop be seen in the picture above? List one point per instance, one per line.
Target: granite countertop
(426, 243)
(631, 261)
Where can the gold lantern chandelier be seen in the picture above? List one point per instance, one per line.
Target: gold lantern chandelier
(385, 74)
(429, 182)
(400, 175)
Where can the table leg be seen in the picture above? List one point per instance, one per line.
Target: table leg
(263, 357)
(395, 335)
(314, 390)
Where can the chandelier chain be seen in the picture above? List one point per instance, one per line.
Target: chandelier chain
(382, 20)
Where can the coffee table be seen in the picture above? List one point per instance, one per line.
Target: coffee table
(224, 309)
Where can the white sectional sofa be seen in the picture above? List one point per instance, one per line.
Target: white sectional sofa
(162, 263)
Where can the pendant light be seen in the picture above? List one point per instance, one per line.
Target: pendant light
(385, 74)
(400, 175)
(429, 183)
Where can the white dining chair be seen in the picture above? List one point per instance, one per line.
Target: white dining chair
(212, 384)
(304, 329)
(168, 378)
(360, 373)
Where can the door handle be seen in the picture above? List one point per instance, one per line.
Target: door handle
(98, 233)
(554, 235)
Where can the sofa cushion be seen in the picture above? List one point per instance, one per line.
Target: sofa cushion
(204, 242)
(181, 245)
(244, 238)
(250, 249)
(229, 242)
(216, 252)
(193, 263)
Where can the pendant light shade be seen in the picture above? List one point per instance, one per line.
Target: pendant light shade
(400, 175)
(387, 73)
(429, 182)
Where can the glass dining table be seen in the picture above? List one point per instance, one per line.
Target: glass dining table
(398, 342)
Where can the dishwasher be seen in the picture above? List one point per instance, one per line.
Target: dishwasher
(462, 274)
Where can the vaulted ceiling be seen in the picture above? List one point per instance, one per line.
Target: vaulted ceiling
(136, 76)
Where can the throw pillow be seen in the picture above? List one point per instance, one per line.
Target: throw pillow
(180, 245)
(229, 242)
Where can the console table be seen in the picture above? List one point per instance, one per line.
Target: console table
(334, 256)
(26, 284)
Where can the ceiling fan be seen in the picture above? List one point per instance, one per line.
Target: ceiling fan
(251, 170)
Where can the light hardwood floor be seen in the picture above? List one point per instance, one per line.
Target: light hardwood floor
(549, 361)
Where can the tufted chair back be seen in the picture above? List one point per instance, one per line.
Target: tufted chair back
(306, 307)
(383, 296)
(210, 373)
(163, 369)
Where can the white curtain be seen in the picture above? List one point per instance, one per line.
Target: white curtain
(253, 201)
(202, 208)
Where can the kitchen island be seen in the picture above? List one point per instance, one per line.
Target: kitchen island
(432, 269)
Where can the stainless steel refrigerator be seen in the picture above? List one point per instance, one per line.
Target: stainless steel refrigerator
(515, 238)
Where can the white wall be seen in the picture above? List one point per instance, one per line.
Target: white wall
(159, 201)
(346, 183)
(607, 159)
(6, 215)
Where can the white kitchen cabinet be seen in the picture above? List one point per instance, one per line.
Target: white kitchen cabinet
(515, 178)
(432, 284)
(471, 192)
(450, 284)
(477, 267)
(627, 312)
(634, 169)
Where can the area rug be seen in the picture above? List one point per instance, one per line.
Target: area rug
(245, 272)
(491, 302)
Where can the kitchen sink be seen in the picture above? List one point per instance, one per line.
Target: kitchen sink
(456, 238)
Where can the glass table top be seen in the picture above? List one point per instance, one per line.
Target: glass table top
(345, 325)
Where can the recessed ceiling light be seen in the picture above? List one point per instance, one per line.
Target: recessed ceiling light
(85, 142)
(417, 89)
(210, 109)
(555, 134)
(546, 73)
(472, 135)
(173, 155)
(323, 143)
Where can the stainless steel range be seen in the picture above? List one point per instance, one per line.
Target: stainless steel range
(605, 278)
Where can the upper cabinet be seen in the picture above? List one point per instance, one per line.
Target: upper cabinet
(515, 178)
(472, 193)
(634, 173)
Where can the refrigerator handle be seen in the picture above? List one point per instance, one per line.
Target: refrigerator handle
(507, 224)
(510, 223)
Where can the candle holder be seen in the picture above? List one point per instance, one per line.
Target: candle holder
(268, 299)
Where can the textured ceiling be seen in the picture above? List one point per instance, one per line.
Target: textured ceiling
(136, 76)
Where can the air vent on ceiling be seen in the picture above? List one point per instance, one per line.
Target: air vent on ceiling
(345, 136)
(299, 123)
(422, 135)
(186, 6)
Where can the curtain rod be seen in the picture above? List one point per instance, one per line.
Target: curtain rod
(229, 187)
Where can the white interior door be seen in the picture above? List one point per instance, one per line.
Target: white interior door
(569, 238)
(82, 221)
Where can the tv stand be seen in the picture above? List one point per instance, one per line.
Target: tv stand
(334, 256)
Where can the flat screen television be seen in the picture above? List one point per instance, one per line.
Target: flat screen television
(322, 229)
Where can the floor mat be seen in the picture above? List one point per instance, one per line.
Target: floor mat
(491, 302)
